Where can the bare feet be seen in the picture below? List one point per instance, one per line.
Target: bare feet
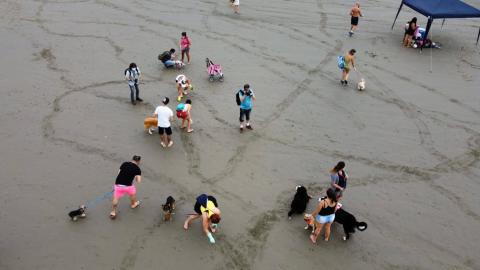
(312, 237)
(185, 225)
(190, 130)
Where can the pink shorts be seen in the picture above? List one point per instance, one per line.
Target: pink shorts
(119, 191)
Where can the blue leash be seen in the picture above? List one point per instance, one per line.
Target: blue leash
(99, 199)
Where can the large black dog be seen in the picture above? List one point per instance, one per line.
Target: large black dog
(349, 223)
(300, 201)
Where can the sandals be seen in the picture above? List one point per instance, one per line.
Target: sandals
(135, 205)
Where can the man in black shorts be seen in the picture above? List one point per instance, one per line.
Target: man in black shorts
(129, 171)
(355, 13)
(164, 115)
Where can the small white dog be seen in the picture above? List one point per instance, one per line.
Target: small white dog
(361, 85)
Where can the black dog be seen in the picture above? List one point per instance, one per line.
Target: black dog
(349, 223)
(80, 212)
(168, 208)
(300, 201)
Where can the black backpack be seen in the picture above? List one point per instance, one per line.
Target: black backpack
(163, 57)
(237, 97)
(131, 75)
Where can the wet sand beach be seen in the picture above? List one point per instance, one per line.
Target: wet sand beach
(411, 140)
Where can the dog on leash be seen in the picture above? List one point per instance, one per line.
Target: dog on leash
(299, 202)
(168, 208)
(361, 85)
(349, 223)
(150, 123)
(80, 212)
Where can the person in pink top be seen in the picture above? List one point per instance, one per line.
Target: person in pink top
(185, 46)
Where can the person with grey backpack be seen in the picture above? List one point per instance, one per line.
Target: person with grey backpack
(132, 75)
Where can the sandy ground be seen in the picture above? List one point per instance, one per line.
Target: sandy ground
(411, 141)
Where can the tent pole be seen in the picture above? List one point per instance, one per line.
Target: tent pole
(478, 36)
(443, 22)
(429, 24)
(431, 56)
(398, 12)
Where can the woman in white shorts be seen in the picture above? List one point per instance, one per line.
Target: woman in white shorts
(325, 214)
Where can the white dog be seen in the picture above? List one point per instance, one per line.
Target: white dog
(361, 85)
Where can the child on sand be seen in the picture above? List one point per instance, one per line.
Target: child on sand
(185, 46)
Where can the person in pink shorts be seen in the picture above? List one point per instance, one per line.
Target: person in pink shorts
(129, 171)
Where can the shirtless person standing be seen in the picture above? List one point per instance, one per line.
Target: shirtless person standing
(355, 13)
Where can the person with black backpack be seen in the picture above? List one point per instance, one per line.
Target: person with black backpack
(132, 75)
(167, 58)
(245, 100)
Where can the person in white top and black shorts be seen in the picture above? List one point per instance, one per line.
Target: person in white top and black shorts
(164, 115)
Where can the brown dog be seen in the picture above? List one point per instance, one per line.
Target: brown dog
(168, 208)
(150, 123)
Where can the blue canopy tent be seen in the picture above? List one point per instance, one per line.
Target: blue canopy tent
(440, 9)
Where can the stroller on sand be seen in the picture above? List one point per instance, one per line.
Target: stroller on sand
(214, 71)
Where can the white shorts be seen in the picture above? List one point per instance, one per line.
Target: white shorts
(236, 2)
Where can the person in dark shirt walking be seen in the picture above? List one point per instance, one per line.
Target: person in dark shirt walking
(129, 171)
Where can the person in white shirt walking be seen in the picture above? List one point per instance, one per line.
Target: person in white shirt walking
(132, 75)
(164, 115)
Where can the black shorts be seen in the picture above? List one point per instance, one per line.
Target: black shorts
(197, 205)
(244, 113)
(354, 21)
(162, 130)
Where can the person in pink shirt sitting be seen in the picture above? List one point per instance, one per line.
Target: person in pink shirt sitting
(185, 46)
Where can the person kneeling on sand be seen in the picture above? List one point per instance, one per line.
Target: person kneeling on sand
(168, 59)
(183, 112)
(207, 208)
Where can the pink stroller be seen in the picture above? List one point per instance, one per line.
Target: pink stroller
(214, 71)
